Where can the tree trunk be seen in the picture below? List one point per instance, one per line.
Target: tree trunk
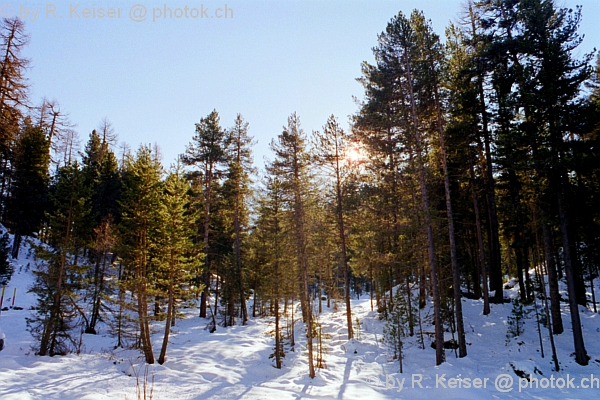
(238, 260)
(342, 234)
(486, 301)
(206, 274)
(277, 330)
(580, 353)
(170, 312)
(141, 276)
(462, 346)
(16, 245)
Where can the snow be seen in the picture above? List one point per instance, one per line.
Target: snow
(234, 363)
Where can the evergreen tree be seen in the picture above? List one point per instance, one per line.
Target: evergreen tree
(59, 278)
(29, 191)
(100, 169)
(140, 233)
(331, 147)
(429, 69)
(291, 167)
(525, 54)
(58, 129)
(240, 166)
(268, 242)
(463, 132)
(207, 151)
(550, 36)
(400, 60)
(178, 253)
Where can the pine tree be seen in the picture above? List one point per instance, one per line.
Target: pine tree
(525, 54)
(269, 241)
(102, 176)
(463, 131)
(330, 148)
(429, 69)
(59, 277)
(474, 111)
(399, 56)
(207, 150)
(29, 191)
(140, 233)
(551, 35)
(178, 251)
(240, 166)
(291, 166)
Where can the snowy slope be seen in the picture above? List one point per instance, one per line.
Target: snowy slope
(234, 362)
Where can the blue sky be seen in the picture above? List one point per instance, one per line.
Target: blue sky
(154, 79)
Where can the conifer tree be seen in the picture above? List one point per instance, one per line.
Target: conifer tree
(29, 190)
(525, 53)
(140, 234)
(102, 176)
(58, 277)
(268, 242)
(550, 36)
(463, 130)
(432, 64)
(178, 253)
(330, 148)
(240, 166)
(207, 151)
(291, 166)
(399, 61)
(58, 129)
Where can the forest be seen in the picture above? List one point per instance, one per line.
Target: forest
(472, 160)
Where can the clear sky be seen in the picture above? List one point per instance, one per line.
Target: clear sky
(153, 79)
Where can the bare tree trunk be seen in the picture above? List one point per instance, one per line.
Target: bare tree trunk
(320, 288)
(216, 313)
(238, 260)
(98, 288)
(293, 341)
(342, 234)
(580, 353)
(539, 271)
(371, 287)
(411, 323)
(462, 346)
(557, 324)
(486, 299)
(277, 330)
(170, 312)
(206, 275)
(16, 245)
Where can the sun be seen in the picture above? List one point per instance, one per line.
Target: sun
(354, 155)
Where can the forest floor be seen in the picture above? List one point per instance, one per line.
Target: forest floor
(235, 363)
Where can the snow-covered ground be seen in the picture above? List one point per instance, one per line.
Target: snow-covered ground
(234, 362)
